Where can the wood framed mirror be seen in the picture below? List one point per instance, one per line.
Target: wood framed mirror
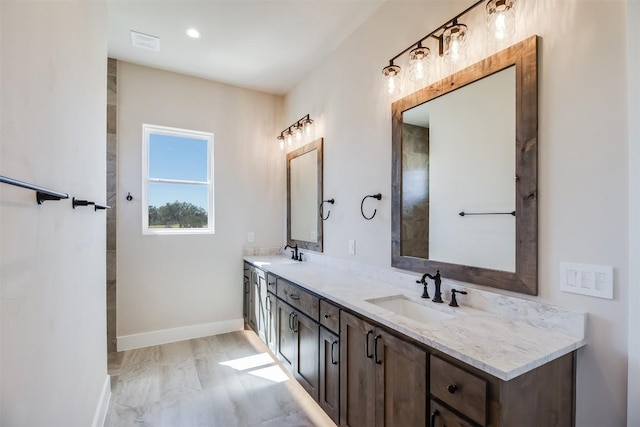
(304, 196)
(464, 174)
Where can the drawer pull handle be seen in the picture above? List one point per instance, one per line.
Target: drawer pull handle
(452, 388)
(294, 296)
(434, 414)
(366, 348)
(375, 349)
(333, 361)
(326, 316)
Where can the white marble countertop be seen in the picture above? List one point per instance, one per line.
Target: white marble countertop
(522, 337)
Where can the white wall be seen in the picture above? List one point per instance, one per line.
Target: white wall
(52, 259)
(633, 31)
(583, 174)
(176, 287)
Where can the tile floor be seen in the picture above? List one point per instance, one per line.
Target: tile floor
(228, 380)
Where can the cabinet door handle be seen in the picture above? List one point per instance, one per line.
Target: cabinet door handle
(269, 303)
(333, 361)
(452, 388)
(434, 414)
(295, 323)
(375, 349)
(294, 297)
(366, 346)
(290, 324)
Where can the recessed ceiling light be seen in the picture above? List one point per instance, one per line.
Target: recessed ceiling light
(193, 33)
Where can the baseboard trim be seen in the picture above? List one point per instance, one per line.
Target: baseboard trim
(166, 336)
(103, 404)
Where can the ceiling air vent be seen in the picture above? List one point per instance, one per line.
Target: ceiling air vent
(145, 41)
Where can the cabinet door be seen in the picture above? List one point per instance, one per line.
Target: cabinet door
(306, 366)
(329, 392)
(272, 322)
(286, 338)
(401, 382)
(261, 303)
(253, 318)
(246, 303)
(357, 372)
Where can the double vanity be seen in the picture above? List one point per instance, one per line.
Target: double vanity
(372, 352)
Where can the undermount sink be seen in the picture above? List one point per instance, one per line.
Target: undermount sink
(403, 306)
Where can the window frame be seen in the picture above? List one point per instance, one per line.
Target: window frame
(147, 131)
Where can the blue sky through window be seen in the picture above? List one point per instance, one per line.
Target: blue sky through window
(179, 158)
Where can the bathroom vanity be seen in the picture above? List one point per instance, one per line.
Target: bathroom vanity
(372, 352)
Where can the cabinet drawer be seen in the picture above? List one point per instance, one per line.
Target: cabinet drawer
(298, 298)
(330, 316)
(271, 283)
(459, 389)
(442, 417)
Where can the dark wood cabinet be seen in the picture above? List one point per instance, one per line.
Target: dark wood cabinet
(383, 378)
(329, 373)
(297, 346)
(363, 374)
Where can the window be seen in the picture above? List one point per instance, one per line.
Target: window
(178, 181)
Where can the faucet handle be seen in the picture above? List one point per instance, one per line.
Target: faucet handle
(454, 302)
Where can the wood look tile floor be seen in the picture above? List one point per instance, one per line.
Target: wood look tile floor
(228, 380)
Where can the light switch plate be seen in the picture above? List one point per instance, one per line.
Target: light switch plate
(251, 237)
(352, 247)
(587, 279)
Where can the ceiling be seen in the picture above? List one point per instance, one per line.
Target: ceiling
(266, 45)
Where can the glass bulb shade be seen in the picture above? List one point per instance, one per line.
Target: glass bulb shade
(419, 59)
(454, 43)
(288, 137)
(282, 144)
(392, 79)
(501, 19)
(298, 133)
(308, 129)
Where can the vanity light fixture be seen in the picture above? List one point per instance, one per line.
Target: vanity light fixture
(501, 19)
(419, 58)
(451, 37)
(301, 130)
(453, 41)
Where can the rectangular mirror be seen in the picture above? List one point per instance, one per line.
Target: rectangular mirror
(304, 196)
(464, 174)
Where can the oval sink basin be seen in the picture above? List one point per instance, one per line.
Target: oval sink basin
(403, 306)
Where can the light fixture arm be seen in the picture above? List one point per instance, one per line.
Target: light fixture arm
(452, 21)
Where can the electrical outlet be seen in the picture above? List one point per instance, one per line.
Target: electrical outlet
(587, 279)
(251, 237)
(352, 247)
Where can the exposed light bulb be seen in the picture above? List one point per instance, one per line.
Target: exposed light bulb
(308, 128)
(501, 19)
(392, 78)
(419, 63)
(454, 41)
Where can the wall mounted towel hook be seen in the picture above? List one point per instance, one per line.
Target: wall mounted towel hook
(332, 201)
(374, 196)
(129, 197)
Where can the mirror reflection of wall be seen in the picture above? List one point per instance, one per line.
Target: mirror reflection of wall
(304, 194)
(458, 154)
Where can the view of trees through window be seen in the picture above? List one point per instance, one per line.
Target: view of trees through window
(177, 215)
(178, 180)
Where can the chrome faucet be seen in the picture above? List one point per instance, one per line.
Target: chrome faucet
(437, 280)
(294, 253)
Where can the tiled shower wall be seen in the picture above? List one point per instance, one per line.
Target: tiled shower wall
(112, 97)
